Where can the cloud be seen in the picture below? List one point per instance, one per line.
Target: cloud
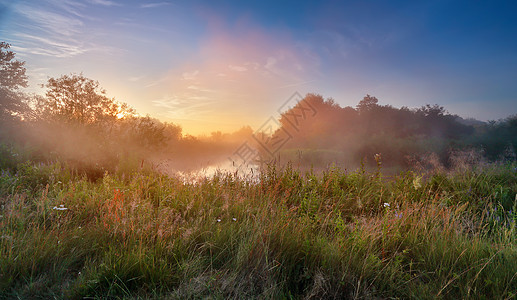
(49, 47)
(72, 7)
(135, 78)
(237, 68)
(258, 59)
(53, 30)
(199, 88)
(296, 84)
(50, 22)
(270, 63)
(237, 77)
(190, 75)
(105, 2)
(155, 4)
(184, 105)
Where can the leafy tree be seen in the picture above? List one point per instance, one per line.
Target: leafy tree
(172, 132)
(149, 132)
(75, 99)
(367, 104)
(497, 138)
(84, 122)
(431, 111)
(435, 121)
(12, 72)
(12, 78)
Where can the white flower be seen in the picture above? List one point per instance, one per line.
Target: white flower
(386, 204)
(218, 220)
(61, 207)
(234, 219)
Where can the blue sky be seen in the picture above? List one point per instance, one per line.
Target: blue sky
(218, 65)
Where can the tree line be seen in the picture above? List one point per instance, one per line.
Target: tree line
(400, 135)
(74, 121)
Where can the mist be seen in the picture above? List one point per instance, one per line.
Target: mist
(314, 135)
(76, 123)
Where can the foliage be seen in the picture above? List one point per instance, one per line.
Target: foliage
(498, 139)
(367, 104)
(12, 72)
(75, 99)
(402, 135)
(12, 78)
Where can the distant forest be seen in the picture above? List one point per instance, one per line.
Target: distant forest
(75, 122)
(401, 136)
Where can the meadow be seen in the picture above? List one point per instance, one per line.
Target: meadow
(354, 234)
(371, 201)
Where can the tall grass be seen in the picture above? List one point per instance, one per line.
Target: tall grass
(286, 234)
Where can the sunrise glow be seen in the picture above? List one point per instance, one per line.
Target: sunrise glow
(218, 66)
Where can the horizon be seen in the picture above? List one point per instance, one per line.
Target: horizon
(218, 67)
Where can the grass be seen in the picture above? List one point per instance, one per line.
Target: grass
(140, 234)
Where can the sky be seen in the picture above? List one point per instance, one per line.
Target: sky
(220, 65)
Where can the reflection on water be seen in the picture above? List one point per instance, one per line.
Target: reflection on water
(191, 172)
(208, 170)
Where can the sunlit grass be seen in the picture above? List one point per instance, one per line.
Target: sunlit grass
(286, 234)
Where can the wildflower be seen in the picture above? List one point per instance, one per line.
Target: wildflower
(398, 215)
(378, 159)
(386, 204)
(218, 220)
(234, 219)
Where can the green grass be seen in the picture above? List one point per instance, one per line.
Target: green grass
(139, 234)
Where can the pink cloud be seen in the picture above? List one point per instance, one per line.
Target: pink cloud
(239, 74)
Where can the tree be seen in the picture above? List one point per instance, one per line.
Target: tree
(432, 111)
(367, 103)
(12, 78)
(12, 72)
(149, 132)
(75, 99)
